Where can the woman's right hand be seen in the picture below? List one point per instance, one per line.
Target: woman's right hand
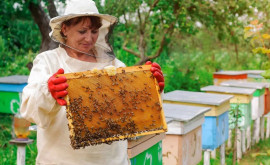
(57, 86)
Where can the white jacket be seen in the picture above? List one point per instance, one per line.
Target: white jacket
(38, 106)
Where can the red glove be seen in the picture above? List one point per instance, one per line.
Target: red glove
(57, 86)
(156, 70)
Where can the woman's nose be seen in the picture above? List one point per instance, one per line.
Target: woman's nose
(88, 37)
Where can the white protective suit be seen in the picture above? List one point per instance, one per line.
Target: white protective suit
(38, 106)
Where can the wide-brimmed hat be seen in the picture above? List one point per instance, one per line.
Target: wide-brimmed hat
(78, 8)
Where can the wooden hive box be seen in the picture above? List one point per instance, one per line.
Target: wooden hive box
(267, 101)
(242, 98)
(102, 108)
(215, 129)
(257, 102)
(11, 88)
(222, 76)
(146, 149)
(255, 76)
(183, 141)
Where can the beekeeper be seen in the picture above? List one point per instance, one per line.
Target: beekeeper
(83, 36)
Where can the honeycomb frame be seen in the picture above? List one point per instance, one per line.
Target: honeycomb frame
(102, 108)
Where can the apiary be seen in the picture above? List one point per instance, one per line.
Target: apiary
(109, 105)
(221, 76)
(215, 128)
(11, 88)
(257, 105)
(183, 141)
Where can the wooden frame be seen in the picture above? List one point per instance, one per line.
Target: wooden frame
(103, 107)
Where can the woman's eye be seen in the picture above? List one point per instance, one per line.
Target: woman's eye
(82, 32)
(94, 31)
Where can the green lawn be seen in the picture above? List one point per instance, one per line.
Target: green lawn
(258, 155)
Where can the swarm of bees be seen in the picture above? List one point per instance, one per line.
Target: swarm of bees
(103, 108)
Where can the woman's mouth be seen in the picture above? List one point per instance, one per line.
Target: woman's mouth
(87, 45)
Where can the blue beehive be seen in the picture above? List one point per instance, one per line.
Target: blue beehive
(215, 129)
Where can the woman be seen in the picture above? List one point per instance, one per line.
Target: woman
(83, 34)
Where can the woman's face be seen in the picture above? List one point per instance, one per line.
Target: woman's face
(81, 36)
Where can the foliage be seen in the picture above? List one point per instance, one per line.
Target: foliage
(11, 64)
(259, 42)
(140, 21)
(19, 37)
(235, 114)
(17, 27)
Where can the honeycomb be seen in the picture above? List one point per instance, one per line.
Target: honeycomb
(104, 107)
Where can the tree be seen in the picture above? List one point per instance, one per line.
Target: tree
(42, 20)
(17, 10)
(147, 25)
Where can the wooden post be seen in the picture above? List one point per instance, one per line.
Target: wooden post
(214, 154)
(229, 142)
(262, 127)
(222, 154)
(21, 154)
(238, 143)
(248, 134)
(243, 139)
(256, 131)
(268, 126)
(206, 157)
(21, 149)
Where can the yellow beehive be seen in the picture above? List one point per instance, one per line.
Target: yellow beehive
(106, 106)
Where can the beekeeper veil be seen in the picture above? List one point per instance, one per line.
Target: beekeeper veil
(79, 8)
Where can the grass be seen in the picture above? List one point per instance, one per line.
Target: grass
(257, 155)
(8, 152)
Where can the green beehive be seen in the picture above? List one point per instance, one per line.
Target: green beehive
(10, 93)
(242, 98)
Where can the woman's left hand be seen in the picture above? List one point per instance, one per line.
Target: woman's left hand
(157, 73)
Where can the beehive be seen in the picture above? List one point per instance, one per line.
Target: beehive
(103, 108)
(222, 76)
(11, 88)
(215, 128)
(183, 141)
(257, 102)
(242, 100)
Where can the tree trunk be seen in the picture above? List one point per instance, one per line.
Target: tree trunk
(236, 53)
(42, 21)
(52, 9)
